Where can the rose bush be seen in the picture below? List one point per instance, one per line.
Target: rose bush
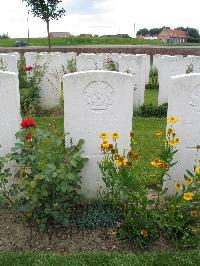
(47, 181)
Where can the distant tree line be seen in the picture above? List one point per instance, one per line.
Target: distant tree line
(191, 32)
(4, 36)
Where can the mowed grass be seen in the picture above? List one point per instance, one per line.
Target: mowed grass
(10, 42)
(175, 258)
(151, 97)
(79, 41)
(148, 145)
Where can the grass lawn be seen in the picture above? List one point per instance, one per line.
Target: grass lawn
(87, 41)
(175, 258)
(78, 41)
(148, 145)
(151, 97)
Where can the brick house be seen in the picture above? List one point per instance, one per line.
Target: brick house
(59, 34)
(172, 36)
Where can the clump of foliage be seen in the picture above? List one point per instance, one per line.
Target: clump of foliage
(71, 65)
(146, 218)
(3, 65)
(30, 78)
(96, 215)
(47, 181)
(111, 65)
(153, 79)
(153, 111)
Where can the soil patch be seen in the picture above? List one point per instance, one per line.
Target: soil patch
(16, 235)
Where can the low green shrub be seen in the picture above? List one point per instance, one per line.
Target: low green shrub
(96, 215)
(47, 180)
(71, 65)
(153, 111)
(153, 79)
(30, 78)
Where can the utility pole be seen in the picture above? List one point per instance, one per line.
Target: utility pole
(134, 31)
(28, 27)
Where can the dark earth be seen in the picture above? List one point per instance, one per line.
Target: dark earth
(17, 235)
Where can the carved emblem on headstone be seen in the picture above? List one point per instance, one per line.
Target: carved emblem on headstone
(195, 98)
(98, 95)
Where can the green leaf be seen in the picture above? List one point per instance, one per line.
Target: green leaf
(189, 173)
(33, 184)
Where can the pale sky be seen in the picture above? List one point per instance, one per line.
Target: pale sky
(101, 16)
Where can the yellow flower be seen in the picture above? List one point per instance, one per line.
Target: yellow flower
(104, 135)
(174, 142)
(177, 141)
(120, 161)
(115, 135)
(197, 169)
(188, 196)
(170, 131)
(194, 214)
(189, 181)
(157, 163)
(105, 145)
(157, 133)
(144, 232)
(172, 119)
(178, 186)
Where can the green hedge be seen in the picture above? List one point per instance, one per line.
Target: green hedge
(153, 111)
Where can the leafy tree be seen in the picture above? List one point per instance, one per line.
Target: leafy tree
(191, 32)
(143, 31)
(155, 31)
(46, 10)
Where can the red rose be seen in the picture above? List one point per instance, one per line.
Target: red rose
(27, 68)
(28, 136)
(28, 122)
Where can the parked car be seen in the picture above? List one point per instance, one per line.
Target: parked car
(21, 44)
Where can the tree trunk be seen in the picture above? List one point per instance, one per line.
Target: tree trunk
(49, 40)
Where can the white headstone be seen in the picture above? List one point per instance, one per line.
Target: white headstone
(96, 102)
(68, 59)
(168, 67)
(8, 62)
(87, 62)
(157, 57)
(132, 64)
(184, 103)
(147, 66)
(9, 110)
(55, 66)
(30, 58)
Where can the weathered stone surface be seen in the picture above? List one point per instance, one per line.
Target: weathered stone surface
(55, 66)
(184, 103)
(87, 62)
(9, 110)
(133, 64)
(167, 67)
(95, 102)
(8, 62)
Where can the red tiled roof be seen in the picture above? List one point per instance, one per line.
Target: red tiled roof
(169, 33)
